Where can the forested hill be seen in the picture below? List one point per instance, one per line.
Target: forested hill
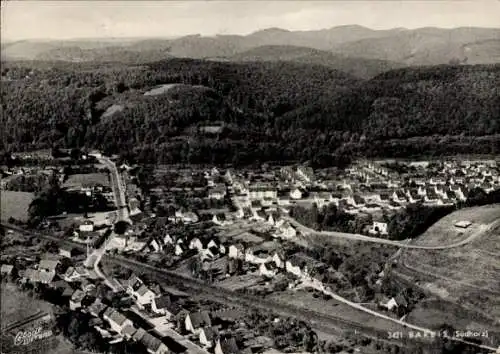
(267, 111)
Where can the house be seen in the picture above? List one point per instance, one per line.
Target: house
(67, 251)
(378, 227)
(278, 260)
(397, 301)
(116, 320)
(208, 336)
(74, 273)
(296, 194)
(283, 200)
(218, 192)
(179, 249)
(49, 265)
(399, 196)
(268, 270)
(195, 321)
(356, 200)
(134, 283)
(76, 300)
(96, 308)
(144, 295)
(305, 173)
(160, 304)
(236, 251)
(261, 191)
(6, 269)
(287, 230)
(87, 226)
(155, 246)
(153, 345)
(226, 346)
(167, 239)
(302, 265)
(431, 196)
(196, 244)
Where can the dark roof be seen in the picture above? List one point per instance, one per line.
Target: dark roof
(198, 319)
(162, 301)
(151, 342)
(229, 346)
(210, 333)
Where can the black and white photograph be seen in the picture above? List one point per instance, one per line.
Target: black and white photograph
(250, 177)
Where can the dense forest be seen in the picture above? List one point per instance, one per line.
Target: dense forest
(268, 111)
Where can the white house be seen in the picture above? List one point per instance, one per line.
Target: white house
(236, 251)
(267, 270)
(144, 295)
(287, 230)
(155, 245)
(280, 263)
(87, 226)
(296, 193)
(208, 336)
(116, 320)
(196, 244)
(179, 249)
(378, 228)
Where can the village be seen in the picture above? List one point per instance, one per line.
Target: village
(234, 229)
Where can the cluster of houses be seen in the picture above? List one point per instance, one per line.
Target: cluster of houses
(150, 315)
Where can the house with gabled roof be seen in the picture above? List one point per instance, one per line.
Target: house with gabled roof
(143, 295)
(226, 346)
(208, 336)
(116, 320)
(302, 265)
(195, 321)
(97, 308)
(160, 305)
(76, 300)
(268, 270)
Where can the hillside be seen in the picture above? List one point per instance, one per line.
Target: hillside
(423, 46)
(426, 46)
(360, 67)
(273, 111)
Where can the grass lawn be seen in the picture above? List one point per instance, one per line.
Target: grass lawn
(15, 204)
(445, 232)
(78, 180)
(17, 305)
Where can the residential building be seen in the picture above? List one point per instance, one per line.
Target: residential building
(195, 321)
(116, 320)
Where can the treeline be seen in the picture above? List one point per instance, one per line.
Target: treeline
(270, 111)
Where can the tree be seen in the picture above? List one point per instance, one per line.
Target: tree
(121, 227)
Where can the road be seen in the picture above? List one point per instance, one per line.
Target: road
(320, 321)
(118, 188)
(402, 244)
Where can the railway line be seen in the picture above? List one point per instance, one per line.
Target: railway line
(326, 323)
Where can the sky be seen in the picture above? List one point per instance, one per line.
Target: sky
(99, 19)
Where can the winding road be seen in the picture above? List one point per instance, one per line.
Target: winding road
(402, 244)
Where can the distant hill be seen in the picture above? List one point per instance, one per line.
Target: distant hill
(360, 67)
(423, 46)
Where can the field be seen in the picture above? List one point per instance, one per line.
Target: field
(78, 180)
(445, 232)
(331, 307)
(17, 305)
(465, 276)
(15, 204)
